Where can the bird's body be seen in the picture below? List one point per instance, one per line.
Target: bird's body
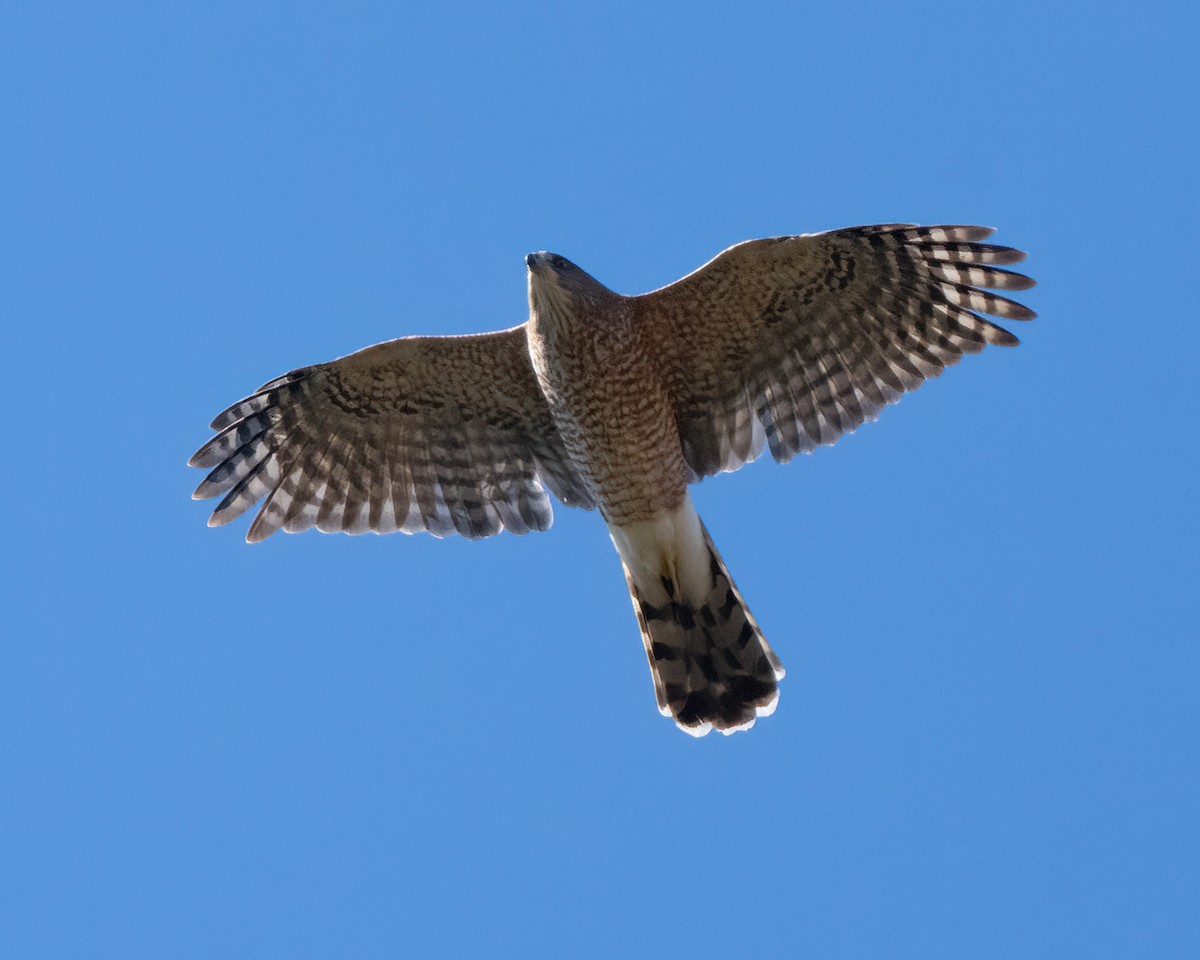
(617, 403)
(605, 393)
(608, 398)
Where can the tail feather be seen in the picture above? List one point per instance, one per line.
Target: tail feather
(711, 666)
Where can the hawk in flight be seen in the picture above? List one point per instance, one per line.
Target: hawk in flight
(616, 404)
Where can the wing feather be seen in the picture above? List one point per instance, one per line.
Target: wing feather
(443, 434)
(816, 334)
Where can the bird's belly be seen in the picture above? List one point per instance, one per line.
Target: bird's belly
(619, 428)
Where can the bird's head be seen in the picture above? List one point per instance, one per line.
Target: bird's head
(554, 280)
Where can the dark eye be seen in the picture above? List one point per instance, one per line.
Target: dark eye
(560, 263)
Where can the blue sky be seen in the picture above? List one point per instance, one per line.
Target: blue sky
(390, 746)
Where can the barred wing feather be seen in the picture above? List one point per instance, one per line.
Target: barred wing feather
(791, 342)
(443, 434)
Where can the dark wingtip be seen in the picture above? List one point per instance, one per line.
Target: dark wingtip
(256, 535)
(974, 234)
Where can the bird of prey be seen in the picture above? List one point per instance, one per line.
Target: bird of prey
(618, 403)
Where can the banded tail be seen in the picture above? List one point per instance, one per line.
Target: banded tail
(710, 664)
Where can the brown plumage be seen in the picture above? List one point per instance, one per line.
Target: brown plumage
(618, 403)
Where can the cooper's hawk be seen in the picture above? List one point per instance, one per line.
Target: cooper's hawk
(618, 403)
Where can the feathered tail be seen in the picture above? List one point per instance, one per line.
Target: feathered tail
(711, 666)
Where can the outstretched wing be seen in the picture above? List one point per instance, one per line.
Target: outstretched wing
(445, 434)
(797, 340)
